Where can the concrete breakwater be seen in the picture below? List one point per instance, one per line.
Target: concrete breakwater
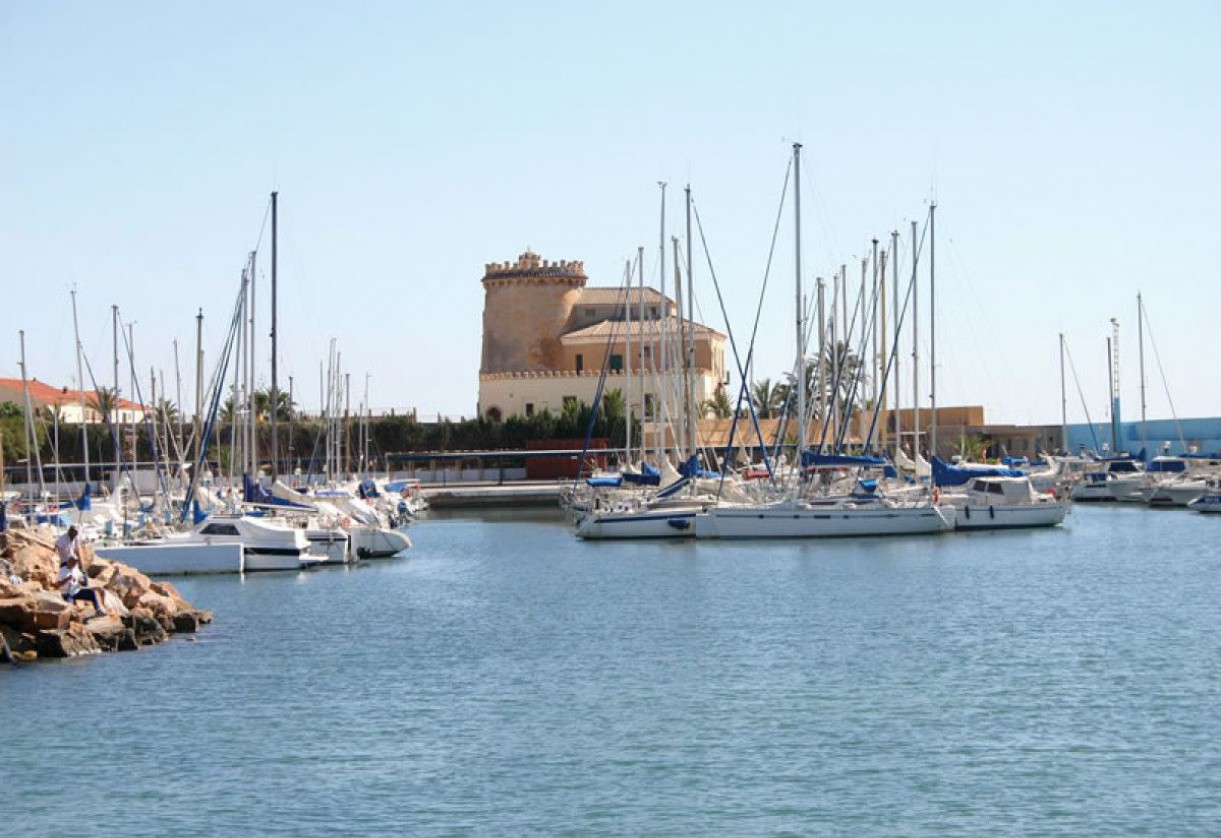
(36, 621)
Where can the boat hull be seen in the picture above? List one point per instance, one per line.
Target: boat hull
(798, 522)
(377, 542)
(656, 523)
(1009, 516)
(177, 559)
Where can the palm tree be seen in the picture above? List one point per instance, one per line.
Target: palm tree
(718, 405)
(105, 401)
(769, 398)
(166, 411)
(613, 405)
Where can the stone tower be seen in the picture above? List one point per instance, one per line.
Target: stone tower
(526, 307)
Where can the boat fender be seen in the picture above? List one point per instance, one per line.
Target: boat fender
(967, 510)
(936, 495)
(346, 522)
(991, 511)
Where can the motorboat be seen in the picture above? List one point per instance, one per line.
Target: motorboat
(998, 502)
(218, 544)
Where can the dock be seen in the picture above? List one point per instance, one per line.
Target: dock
(488, 495)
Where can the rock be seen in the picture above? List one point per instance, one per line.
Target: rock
(110, 634)
(69, 643)
(17, 641)
(186, 622)
(147, 629)
(101, 572)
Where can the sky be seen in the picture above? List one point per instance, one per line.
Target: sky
(1071, 149)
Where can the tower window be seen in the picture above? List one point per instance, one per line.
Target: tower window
(580, 362)
(529, 408)
(616, 363)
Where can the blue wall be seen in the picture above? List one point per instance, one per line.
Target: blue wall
(1204, 434)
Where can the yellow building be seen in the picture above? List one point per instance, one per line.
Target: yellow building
(547, 338)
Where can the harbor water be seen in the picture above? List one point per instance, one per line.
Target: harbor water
(503, 678)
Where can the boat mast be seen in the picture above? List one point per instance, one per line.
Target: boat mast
(1063, 402)
(684, 410)
(880, 390)
(875, 371)
(894, 258)
(199, 362)
(1140, 336)
(80, 378)
(932, 324)
(644, 384)
(627, 355)
(251, 355)
(275, 393)
(31, 438)
(801, 363)
(915, 354)
(690, 326)
(1113, 384)
(820, 374)
(663, 319)
(114, 400)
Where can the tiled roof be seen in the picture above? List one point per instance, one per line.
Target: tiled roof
(616, 296)
(42, 394)
(603, 330)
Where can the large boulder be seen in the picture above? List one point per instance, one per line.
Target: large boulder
(66, 643)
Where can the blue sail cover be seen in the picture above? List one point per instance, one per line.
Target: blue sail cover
(811, 460)
(945, 474)
(253, 492)
(691, 468)
(605, 482)
(649, 476)
(85, 501)
(367, 489)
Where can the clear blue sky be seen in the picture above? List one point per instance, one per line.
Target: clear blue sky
(1072, 149)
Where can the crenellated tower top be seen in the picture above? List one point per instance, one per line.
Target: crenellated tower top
(531, 267)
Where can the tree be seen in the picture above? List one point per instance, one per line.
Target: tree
(768, 398)
(166, 411)
(718, 405)
(105, 400)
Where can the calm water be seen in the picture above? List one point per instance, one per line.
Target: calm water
(505, 679)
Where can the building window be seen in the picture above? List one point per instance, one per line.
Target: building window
(580, 362)
(529, 408)
(648, 405)
(616, 363)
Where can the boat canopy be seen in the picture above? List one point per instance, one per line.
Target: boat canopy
(254, 492)
(691, 468)
(945, 474)
(809, 459)
(648, 476)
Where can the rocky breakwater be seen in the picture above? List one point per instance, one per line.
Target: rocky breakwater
(36, 622)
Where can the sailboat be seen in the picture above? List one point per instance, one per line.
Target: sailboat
(865, 513)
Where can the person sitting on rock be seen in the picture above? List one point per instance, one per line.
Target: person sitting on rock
(67, 547)
(74, 586)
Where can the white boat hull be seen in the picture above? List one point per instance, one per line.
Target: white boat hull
(377, 542)
(1180, 495)
(789, 521)
(329, 546)
(650, 523)
(1210, 504)
(156, 559)
(1009, 516)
